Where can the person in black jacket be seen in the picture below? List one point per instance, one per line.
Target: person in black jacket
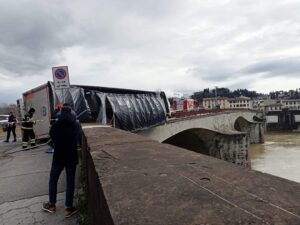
(54, 117)
(27, 129)
(11, 127)
(64, 134)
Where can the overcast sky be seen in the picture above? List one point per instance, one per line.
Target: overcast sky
(179, 46)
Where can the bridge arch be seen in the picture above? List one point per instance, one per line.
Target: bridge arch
(224, 135)
(228, 147)
(242, 124)
(254, 129)
(190, 139)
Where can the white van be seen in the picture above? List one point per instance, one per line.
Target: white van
(3, 121)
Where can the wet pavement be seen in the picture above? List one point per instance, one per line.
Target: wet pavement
(24, 187)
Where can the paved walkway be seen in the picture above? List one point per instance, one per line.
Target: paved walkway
(24, 187)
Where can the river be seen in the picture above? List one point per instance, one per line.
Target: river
(279, 155)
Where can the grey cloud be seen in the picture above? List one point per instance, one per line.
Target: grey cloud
(32, 33)
(148, 8)
(240, 84)
(9, 97)
(214, 39)
(281, 67)
(123, 24)
(211, 73)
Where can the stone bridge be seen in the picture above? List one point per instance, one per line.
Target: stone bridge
(225, 135)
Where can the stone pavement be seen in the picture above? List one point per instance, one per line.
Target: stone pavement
(28, 211)
(24, 187)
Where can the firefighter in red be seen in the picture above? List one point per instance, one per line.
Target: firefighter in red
(27, 129)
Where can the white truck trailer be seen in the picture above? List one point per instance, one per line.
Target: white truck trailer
(126, 109)
(38, 98)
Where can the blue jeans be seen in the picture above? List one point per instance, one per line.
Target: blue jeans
(54, 176)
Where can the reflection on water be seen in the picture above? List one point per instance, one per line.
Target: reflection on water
(279, 155)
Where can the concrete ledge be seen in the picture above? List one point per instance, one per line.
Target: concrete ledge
(133, 180)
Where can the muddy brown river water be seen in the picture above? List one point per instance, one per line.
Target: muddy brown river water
(279, 155)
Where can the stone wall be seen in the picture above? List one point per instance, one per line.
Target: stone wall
(255, 130)
(98, 210)
(137, 181)
(232, 148)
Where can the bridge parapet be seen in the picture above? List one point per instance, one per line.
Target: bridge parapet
(222, 122)
(225, 135)
(137, 181)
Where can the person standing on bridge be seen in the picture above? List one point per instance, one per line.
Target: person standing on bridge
(64, 134)
(11, 127)
(27, 129)
(54, 117)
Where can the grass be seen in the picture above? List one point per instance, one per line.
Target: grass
(3, 133)
(82, 199)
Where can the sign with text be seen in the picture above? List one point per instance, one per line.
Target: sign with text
(61, 77)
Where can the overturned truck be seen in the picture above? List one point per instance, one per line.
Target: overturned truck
(130, 110)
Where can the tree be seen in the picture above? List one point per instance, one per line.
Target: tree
(5, 108)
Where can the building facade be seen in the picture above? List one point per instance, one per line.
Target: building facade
(241, 102)
(227, 103)
(215, 103)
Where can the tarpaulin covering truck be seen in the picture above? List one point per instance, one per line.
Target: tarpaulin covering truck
(126, 109)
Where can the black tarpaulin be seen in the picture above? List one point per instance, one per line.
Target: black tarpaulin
(129, 110)
(74, 96)
(136, 111)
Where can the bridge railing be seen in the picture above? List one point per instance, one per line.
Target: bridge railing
(180, 114)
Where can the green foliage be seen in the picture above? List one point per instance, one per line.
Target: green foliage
(291, 94)
(82, 199)
(223, 92)
(6, 108)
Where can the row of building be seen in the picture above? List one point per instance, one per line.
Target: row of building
(280, 113)
(262, 104)
(189, 104)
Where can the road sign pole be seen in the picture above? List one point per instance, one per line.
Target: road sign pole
(63, 96)
(61, 80)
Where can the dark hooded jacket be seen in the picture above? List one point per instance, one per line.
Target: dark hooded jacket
(64, 134)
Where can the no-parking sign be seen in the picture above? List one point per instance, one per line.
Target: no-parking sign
(61, 77)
